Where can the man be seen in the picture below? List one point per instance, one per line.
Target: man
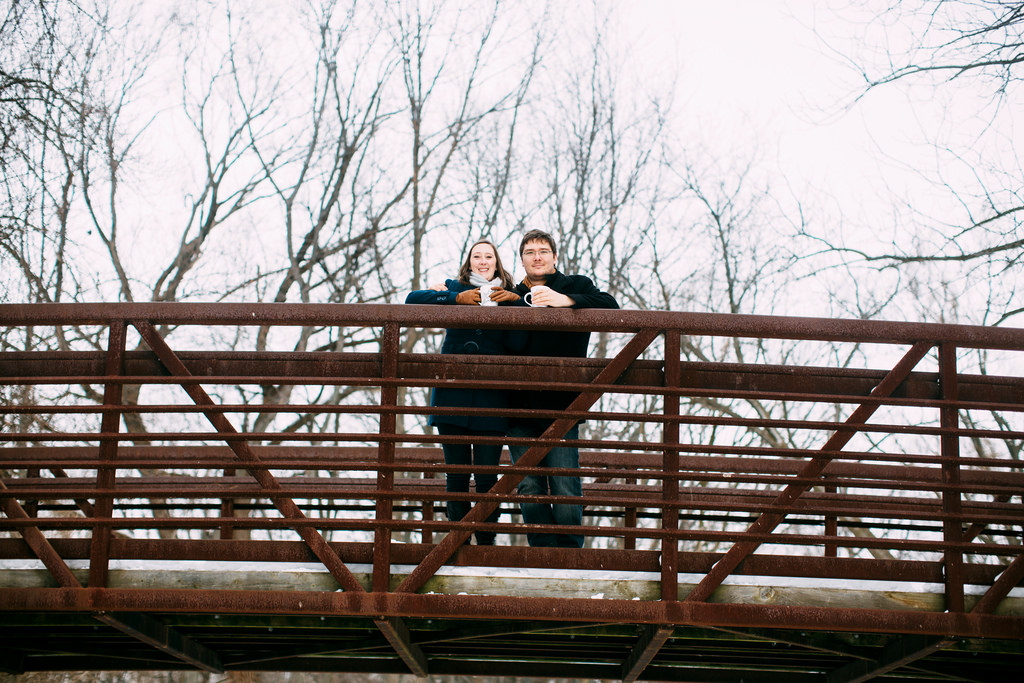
(548, 287)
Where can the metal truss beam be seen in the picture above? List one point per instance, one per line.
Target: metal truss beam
(138, 625)
(38, 543)
(392, 629)
(831, 646)
(457, 635)
(910, 648)
(396, 632)
(903, 651)
(645, 650)
(316, 542)
(767, 522)
(1007, 580)
(506, 482)
(106, 474)
(432, 606)
(152, 632)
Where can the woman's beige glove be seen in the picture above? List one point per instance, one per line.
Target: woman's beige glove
(503, 295)
(471, 297)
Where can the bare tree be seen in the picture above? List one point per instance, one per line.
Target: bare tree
(44, 105)
(966, 230)
(67, 82)
(950, 41)
(956, 247)
(603, 186)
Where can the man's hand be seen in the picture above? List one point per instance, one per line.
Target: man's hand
(439, 287)
(502, 295)
(471, 297)
(545, 296)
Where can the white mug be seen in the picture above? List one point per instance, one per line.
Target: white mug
(485, 296)
(528, 297)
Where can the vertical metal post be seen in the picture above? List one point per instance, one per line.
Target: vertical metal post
(385, 457)
(831, 528)
(952, 529)
(106, 472)
(427, 513)
(629, 520)
(670, 467)
(227, 509)
(31, 507)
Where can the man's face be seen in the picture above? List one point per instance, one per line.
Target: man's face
(538, 259)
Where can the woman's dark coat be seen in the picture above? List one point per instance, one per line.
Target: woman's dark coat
(469, 341)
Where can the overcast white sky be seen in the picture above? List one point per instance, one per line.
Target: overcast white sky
(759, 72)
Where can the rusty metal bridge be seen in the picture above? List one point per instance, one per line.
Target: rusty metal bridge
(844, 505)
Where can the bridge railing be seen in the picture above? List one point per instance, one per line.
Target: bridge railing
(903, 466)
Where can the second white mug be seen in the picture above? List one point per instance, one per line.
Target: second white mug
(528, 297)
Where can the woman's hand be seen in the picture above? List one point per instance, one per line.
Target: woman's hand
(439, 287)
(471, 297)
(503, 295)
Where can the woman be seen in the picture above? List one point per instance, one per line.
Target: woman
(482, 268)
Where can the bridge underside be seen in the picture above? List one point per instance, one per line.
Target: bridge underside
(75, 641)
(484, 615)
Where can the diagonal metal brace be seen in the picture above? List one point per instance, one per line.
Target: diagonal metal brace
(647, 648)
(152, 632)
(394, 630)
(1007, 581)
(244, 452)
(767, 522)
(141, 626)
(39, 544)
(904, 650)
(454, 539)
(397, 634)
(909, 648)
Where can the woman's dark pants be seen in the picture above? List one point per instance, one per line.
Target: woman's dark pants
(484, 455)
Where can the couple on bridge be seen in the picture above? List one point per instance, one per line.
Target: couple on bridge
(483, 281)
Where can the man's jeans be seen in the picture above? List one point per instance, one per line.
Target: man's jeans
(534, 485)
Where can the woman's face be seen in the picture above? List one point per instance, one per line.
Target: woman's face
(482, 261)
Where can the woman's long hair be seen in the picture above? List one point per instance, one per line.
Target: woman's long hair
(499, 270)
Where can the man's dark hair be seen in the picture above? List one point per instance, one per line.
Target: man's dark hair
(538, 235)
